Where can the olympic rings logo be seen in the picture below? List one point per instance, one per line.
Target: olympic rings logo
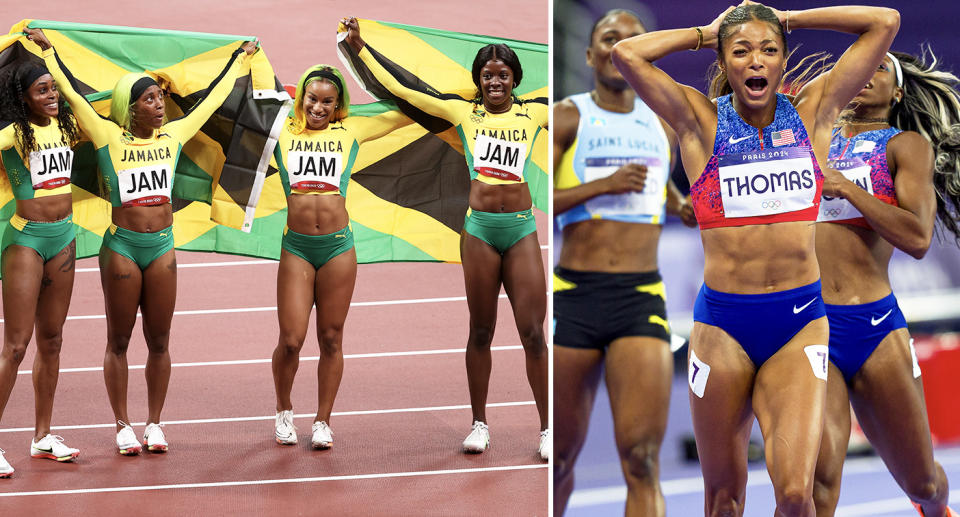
(832, 212)
(771, 204)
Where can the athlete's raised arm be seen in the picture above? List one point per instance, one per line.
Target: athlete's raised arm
(822, 99)
(431, 104)
(688, 111)
(93, 124)
(185, 127)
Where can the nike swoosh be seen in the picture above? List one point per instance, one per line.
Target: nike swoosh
(733, 140)
(797, 310)
(876, 322)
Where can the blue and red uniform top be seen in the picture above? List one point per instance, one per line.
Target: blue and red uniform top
(758, 176)
(862, 159)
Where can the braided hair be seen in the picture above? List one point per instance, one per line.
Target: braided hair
(15, 109)
(931, 107)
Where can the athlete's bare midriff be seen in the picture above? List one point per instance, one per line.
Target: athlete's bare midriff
(610, 246)
(758, 259)
(853, 264)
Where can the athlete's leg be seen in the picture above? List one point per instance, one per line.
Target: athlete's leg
(295, 294)
(833, 444)
(722, 418)
(481, 276)
(891, 410)
(640, 405)
(55, 292)
(22, 275)
(157, 304)
(333, 290)
(524, 282)
(122, 283)
(572, 401)
(788, 399)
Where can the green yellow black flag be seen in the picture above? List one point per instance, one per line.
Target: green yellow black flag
(218, 196)
(419, 173)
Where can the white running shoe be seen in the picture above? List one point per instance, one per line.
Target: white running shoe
(479, 438)
(286, 432)
(127, 442)
(154, 439)
(51, 447)
(546, 445)
(322, 436)
(5, 469)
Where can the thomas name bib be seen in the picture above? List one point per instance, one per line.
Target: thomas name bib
(767, 182)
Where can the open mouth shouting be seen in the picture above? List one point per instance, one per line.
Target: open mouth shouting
(756, 86)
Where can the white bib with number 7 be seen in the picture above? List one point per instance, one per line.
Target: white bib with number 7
(499, 158)
(145, 186)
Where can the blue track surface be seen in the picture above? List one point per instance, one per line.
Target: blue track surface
(868, 489)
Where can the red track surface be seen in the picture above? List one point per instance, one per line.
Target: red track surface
(360, 475)
(383, 463)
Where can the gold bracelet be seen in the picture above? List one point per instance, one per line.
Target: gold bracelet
(699, 39)
(788, 22)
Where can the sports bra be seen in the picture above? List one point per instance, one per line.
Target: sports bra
(862, 159)
(606, 141)
(758, 176)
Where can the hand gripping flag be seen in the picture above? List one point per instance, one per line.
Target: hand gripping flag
(221, 171)
(413, 183)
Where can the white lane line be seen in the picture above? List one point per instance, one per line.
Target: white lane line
(758, 477)
(271, 417)
(226, 263)
(883, 506)
(305, 358)
(277, 481)
(411, 301)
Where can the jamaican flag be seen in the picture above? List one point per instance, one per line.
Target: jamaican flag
(221, 171)
(432, 182)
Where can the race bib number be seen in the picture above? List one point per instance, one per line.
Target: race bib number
(697, 373)
(318, 171)
(819, 357)
(499, 158)
(145, 186)
(839, 209)
(50, 168)
(913, 357)
(647, 202)
(767, 182)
